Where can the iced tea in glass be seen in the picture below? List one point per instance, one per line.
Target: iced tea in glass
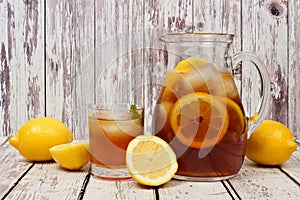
(111, 128)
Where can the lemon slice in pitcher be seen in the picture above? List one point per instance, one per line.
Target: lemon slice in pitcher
(189, 64)
(237, 120)
(199, 120)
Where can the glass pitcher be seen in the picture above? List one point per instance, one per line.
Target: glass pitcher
(199, 111)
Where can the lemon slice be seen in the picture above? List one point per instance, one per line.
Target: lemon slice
(199, 120)
(72, 156)
(150, 160)
(189, 64)
(237, 119)
(237, 123)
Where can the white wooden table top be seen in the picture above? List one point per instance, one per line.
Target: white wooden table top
(21, 179)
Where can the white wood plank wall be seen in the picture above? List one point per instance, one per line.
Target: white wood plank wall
(51, 51)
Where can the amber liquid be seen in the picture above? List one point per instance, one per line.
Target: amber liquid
(109, 140)
(223, 159)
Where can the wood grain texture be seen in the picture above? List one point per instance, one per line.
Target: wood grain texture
(220, 17)
(12, 166)
(292, 166)
(264, 32)
(22, 179)
(118, 52)
(187, 190)
(44, 179)
(69, 62)
(253, 182)
(161, 17)
(294, 67)
(22, 63)
(126, 189)
(52, 53)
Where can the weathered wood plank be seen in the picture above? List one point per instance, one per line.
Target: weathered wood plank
(12, 166)
(265, 29)
(293, 67)
(48, 181)
(193, 190)
(161, 17)
(169, 16)
(257, 182)
(264, 32)
(118, 63)
(219, 17)
(126, 189)
(292, 166)
(22, 63)
(3, 140)
(69, 62)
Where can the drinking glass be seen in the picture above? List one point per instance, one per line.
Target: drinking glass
(111, 128)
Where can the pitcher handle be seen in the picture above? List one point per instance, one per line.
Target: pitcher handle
(264, 101)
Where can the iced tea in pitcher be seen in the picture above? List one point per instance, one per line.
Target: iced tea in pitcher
(199, 114)
(199, 111)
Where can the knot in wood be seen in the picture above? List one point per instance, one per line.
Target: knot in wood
(276, 9)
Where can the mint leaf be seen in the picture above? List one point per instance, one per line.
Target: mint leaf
(133, 112)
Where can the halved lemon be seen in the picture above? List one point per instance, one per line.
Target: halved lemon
(199, 120)
(150, 160)
(72, 156)
(189, 64)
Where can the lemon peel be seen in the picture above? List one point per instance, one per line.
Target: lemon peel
(38, 135)
(271, 144)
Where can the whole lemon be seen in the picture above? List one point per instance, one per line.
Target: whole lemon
(38, 135)
(271, 144)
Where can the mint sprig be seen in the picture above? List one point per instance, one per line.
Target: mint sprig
(134, 114)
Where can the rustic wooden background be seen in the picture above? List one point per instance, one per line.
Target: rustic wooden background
(50, 51)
